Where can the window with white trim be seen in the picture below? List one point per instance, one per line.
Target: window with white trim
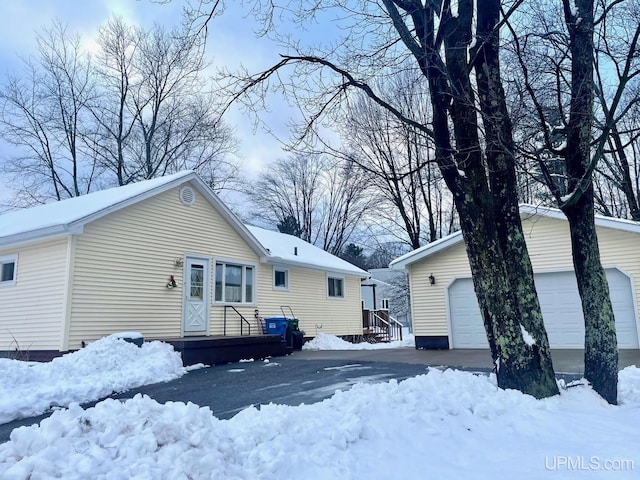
(8, 270)
(280, 278)
(335, 287)
(234, 283)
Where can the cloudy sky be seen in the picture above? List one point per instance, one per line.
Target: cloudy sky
(231, 43)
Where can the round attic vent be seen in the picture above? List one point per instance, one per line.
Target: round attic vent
(187, 195)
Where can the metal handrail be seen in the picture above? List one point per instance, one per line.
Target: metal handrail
(242, 319)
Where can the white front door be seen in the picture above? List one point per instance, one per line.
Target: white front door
(195, 314)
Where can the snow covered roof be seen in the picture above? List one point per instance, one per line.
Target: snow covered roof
(526, 211)
(292, 250)
(69, 216)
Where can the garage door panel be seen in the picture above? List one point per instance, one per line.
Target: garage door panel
(561, 309)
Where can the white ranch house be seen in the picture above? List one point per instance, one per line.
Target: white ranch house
(445, 311)
(164, 257)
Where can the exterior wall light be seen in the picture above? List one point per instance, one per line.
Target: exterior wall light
(432, 279)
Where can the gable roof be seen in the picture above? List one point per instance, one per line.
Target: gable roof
(69, 216)
(526, 211)
(291, 250)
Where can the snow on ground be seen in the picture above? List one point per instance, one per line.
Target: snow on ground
(445, 424)
(106, 366)
(324, 341)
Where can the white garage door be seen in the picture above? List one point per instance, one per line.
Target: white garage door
(561, 309)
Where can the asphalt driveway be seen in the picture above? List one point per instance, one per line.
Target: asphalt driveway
(311, 376)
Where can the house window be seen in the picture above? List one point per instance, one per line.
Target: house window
(8, 270)
(280, 279)
(235, 283)
(335, 287)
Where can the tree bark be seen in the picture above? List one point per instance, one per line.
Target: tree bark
(500, 157)
(601, 349)
(524, 367)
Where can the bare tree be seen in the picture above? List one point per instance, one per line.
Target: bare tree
(112, 109)
(142, 109)
(399, 161)
(325, 200)
(445, 48)
(44, 114)
(570, 147)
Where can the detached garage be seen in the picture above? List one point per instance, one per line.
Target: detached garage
(445, 310)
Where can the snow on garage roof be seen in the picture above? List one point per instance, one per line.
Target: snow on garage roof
(526, 211)
(291, 250)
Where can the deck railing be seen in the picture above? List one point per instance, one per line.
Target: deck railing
(380, 325)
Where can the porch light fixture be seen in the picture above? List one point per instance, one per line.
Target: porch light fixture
(432, 279)
(178, 262)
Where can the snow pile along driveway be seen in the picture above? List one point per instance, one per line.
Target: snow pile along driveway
(444, 425)
(106, 366)
(324, 341)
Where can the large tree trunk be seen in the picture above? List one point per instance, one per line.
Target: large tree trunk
(500, 158)
(520, 364)
(600, 343)
(601, 349)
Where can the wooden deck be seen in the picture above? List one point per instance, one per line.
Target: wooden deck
(218, 349)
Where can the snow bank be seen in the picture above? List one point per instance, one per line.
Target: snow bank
(445, 425)
(324, 341)
(108, 365)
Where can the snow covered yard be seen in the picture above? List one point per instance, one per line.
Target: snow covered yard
(323, 341)
(445, 425)
(106, 366)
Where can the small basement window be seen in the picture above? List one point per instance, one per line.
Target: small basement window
(8, 270)
(335, 287)
(280, 279)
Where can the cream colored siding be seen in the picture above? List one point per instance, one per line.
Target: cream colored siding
(428, 307)
(31, 311)
(549, 248)
(124, 260)
(307, 296)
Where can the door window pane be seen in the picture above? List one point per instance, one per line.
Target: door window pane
(197, 282)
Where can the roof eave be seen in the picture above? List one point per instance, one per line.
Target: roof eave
(311, 266)
(47, 233)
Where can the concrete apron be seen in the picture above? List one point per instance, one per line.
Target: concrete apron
(564, 361)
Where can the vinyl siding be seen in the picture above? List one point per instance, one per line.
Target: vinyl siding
(124, 260)
(428, 306)
(549, 248)
(32, 309)
(307, 297)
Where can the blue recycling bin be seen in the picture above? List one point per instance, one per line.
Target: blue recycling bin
(277, 325)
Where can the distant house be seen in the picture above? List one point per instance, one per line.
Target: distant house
(387, 289)
(164, 257)
(445, 311)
